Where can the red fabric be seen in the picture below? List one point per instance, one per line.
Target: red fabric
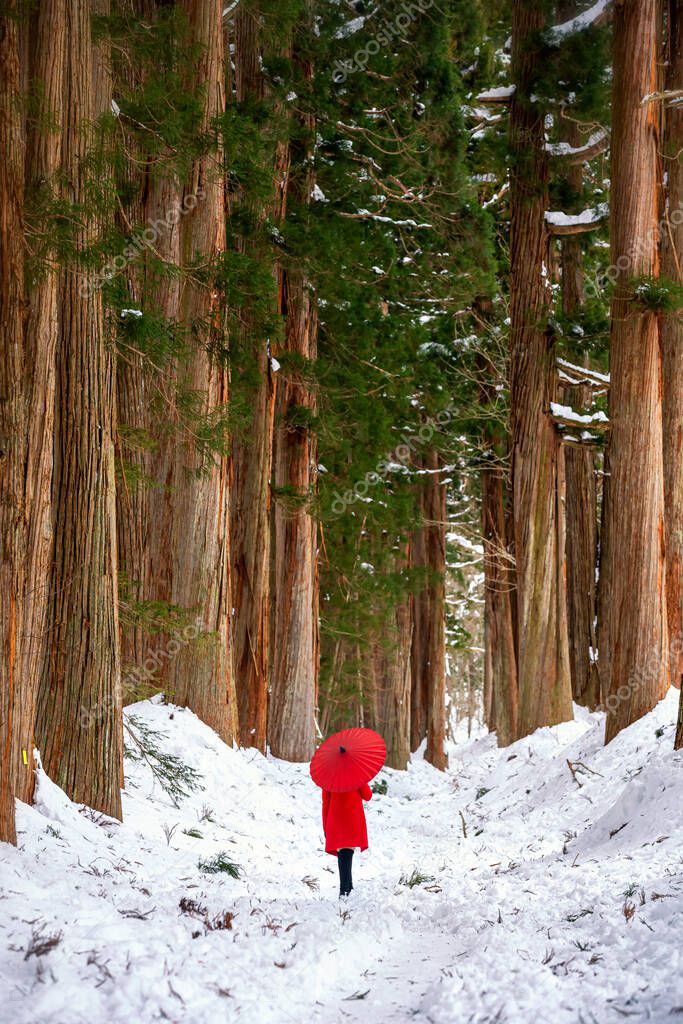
(348, 759)
(344, 819)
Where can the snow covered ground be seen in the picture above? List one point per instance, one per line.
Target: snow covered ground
(547, 897)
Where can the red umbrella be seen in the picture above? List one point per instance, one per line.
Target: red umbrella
(348, 759)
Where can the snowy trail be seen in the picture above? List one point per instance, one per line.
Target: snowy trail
(543, 896)
(398, 982)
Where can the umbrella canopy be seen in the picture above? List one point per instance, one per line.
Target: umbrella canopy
(348, 759)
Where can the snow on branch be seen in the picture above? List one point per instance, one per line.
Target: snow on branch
(501, 94)
(594, 15)
(574, 223)
(675, 95)
(364, 214)
(596, 144)
(572, 374)
(565, 416)
(586, 440)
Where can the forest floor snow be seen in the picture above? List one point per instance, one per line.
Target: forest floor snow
(546, 897)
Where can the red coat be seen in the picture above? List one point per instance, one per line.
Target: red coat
(344, 819)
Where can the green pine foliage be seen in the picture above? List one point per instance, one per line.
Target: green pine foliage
(144, 744)
(407, 230)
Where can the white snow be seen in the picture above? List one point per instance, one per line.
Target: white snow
(565, 149)
(589, 216)
(584, 371)
(350, 28)
(548, 898)
(390, 220)
(501, 92)
(567, 413)
(581, 21)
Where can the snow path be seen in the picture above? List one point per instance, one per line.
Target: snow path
(548, 899)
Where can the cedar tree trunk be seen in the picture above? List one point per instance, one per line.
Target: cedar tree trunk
(428, 651)
(13, 413)
(295, 633)
(201, 671)
(637, 617)
(537, 470)
(79, 728)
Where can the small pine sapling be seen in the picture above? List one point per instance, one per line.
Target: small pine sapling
(177, 779)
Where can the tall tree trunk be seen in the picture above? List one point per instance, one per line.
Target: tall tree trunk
(672, 347)
(582, 556)
(672, 356)
(637, 618)
(46, 57)
(537, 464)
(501, 697)
(79, 710)
(13, 414)
(489, 704)
(392, 680)
(295, 655)
(143, 508)
(252, 454)
(294, 674)
(201, 673)
(498, 584)
(428, 652)
(581, 491)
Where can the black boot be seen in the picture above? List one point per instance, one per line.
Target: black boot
(345, 858)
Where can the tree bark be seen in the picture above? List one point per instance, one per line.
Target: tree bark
(294, 673)
(79, 711)
(428, 651)
(147, 402)
(582, 555)
(43, 156)
(672, 347)
(489, 704)
(13, 414)
(501, 697)
(201, 671)
(498, 584)
(537, 464)
(392, 680)
(637, 617)
(137, 503)
(581, 491)
(295, 633)
(252, 454)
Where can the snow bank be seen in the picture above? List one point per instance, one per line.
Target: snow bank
(549, 887)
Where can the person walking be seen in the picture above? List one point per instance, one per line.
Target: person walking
(345, 830)
(342, 766)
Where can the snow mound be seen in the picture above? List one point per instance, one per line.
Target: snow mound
(538, 882)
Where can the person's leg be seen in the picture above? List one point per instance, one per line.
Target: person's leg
(345, 858)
